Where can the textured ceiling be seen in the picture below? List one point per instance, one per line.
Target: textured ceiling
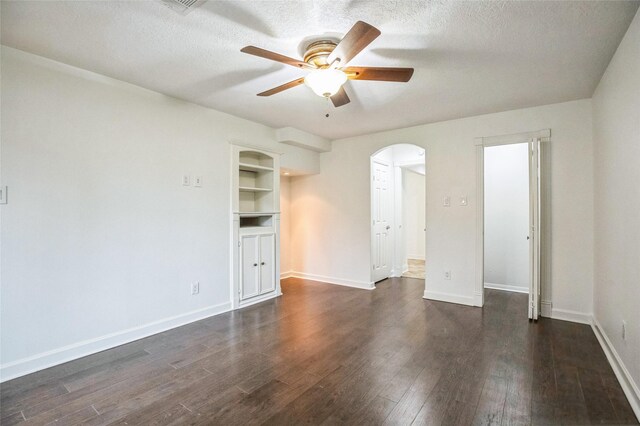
(470, 57)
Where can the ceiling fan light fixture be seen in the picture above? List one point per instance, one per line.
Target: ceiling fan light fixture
(325, 82)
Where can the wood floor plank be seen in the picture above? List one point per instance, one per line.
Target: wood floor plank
(12, 418)
(54, 408)
(326, 354)
(600, 410)
(621, 405)
(570, 404)
(492, 400)
(374, 413)
(412, 401)
(80, 416)
(92, 376)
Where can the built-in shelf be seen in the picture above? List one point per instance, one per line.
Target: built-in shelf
(246, 167)
(256, 224)
(251, 189)
(253, 214)
(260, 221)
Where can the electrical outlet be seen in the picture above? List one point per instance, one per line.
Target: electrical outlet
(195, 288)
(446, 201)
(197, 181)
(447, 275)
(186, 180)
(624, 330)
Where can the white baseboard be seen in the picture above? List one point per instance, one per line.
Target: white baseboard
(448, 297)
(257, 299)
(504, 287)
(573, 316)
(332, 280)
(478, 299)
(398, 272)
(548, 311)
(285, 275)
(629, 386)
(38, 362)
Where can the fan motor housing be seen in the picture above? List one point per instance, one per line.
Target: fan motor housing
(317, 52)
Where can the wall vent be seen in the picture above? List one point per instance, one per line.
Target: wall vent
(182, 6)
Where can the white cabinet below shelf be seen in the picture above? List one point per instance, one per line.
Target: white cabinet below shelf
(257, 255)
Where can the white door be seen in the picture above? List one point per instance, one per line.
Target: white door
(250, 255)
(381, 219)
(534, 229)
(267, 263)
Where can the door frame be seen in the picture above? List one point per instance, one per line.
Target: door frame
(544, 136)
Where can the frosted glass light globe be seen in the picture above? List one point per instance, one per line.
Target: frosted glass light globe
(325, 82)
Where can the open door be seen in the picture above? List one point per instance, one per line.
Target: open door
(381, 219)
(534, 229)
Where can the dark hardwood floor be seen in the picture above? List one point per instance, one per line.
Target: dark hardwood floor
(325, 354)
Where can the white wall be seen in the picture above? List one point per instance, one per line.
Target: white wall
(285, 226)
(414, 213)
(616, 112)
(330, 210)
(100, 241)
(506, 217)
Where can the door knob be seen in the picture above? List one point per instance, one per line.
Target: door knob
(527, 237)
(388, 227)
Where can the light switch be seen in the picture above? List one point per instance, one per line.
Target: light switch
(463, 201)
(446, 201)
(197, 181)
(186, 180)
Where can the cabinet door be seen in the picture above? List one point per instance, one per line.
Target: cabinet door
(250, 265)
(267, 263)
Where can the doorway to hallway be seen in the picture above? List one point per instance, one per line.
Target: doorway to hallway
(398, 212)
(502, 249)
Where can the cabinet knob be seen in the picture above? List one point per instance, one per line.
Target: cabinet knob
(262, 263)
(255, 264)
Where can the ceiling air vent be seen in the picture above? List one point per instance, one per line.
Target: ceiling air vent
(182, 6)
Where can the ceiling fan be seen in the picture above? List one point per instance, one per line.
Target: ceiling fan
(327, 62)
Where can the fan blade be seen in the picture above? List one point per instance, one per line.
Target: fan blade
(267, 54)
(340, 98)
(379, 74)
(358, 37)
(283, 87)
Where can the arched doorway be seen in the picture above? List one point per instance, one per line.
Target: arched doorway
(398, 194)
